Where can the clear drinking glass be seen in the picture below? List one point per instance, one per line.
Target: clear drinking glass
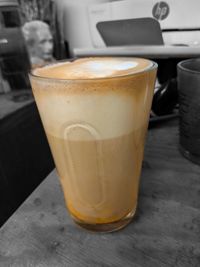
(189, 108)
(96, 131)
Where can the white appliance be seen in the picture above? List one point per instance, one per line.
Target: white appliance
(179, 19)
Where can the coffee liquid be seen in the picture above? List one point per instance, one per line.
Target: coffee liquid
(95, 113)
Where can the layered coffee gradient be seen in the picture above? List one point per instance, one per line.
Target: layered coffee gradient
(95, 113)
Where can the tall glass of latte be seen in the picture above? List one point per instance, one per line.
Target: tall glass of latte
(95, 113)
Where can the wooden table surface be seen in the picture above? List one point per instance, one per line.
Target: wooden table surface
(165, 232)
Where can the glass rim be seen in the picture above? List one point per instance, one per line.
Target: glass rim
(181, 65)
(38, 77)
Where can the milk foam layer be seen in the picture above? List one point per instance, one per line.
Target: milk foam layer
(94, 68)
(103, 109)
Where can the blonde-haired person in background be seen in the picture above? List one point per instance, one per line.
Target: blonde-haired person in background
(39, 42)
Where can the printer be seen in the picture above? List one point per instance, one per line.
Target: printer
(179, 20)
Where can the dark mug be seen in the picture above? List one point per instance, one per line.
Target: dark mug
(189, 108)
